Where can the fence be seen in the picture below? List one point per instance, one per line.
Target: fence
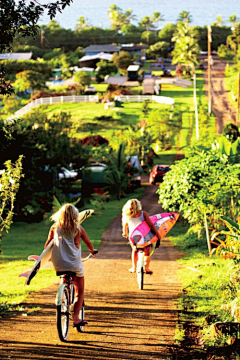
(87, 98)
(140, 98)
(53, 100)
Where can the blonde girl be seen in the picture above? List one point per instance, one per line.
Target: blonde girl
(66, 233)
(132, 216)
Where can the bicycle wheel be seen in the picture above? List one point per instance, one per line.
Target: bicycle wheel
(140, 270)
(63, 316)
(81, 317)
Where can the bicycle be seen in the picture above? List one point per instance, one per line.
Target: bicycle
(140, 268)
(65, 299)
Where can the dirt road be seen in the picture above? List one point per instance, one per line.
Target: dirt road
(124, 322)
(222, 107)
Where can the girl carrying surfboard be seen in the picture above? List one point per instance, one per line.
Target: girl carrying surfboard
(132, 216)
(66, 233)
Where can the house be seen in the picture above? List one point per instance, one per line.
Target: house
(96, 49)
(134, 49)
(92, 60)
(133, 72)
(150, 87)
(16, 56)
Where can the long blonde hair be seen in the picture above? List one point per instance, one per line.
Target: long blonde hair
(130, 209)
(67, 218)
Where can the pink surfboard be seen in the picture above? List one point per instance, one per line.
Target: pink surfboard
(143, 235)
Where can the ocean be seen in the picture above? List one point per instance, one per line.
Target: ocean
(203, 12)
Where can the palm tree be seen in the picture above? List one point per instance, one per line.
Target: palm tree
(148, 21)
(186, 48)
(185, 17)
(82, 23)
(233, 20)
(219, 21)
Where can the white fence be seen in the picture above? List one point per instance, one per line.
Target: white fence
(87, 98)
(140, 98)
(53, 100)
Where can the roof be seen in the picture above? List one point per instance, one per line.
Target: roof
(16, 56)
(132, 47)
(116, 80)
(102, 48)
(101, 55)
(175, 81)
(133, 68)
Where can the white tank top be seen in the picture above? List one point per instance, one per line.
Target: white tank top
(65, 255)
(134, 222)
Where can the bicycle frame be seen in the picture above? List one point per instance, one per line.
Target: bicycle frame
(140, 267)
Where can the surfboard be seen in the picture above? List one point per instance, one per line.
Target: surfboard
(45, 256)
(144, 236)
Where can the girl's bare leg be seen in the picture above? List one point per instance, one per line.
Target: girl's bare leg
(79, 283)
(147, 262)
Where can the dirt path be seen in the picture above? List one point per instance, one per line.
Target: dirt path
(222, 108)
(124, 322)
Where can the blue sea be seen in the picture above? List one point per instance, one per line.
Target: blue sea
(204, 12)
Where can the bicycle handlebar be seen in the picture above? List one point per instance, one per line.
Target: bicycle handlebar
(89, 255)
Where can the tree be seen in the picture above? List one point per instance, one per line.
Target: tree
(118, 17)
(82, 23)
(105, 68)
(219, 21)
(122, 60)
(185, 17)
(83, 77)
(29, 80)
(160, 48)
(148, 22)
(203, 185)
(21, 18)
(118, 175)
(9, 185)
(186, 50)
(164, 124)
(167, 32)
(233, 20)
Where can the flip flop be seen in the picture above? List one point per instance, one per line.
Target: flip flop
(149, 272)
(81, 323)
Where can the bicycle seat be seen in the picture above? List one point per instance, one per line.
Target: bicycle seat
(67, 273)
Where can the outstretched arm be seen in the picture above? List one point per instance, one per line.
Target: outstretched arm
(50, 235)
(86, 240)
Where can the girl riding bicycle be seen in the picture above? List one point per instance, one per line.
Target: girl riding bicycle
(132, 216)
(66, 233)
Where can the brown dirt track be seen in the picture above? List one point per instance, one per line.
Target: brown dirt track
(124, 322)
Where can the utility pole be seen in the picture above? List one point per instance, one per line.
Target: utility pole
(209, 70)
(195, 106)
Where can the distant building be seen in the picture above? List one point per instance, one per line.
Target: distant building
(134, 49)
(133, 72)
(16, 56)
(150, 87)
(92, 60)
(96, 49)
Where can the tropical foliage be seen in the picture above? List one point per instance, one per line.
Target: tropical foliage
(202, 184)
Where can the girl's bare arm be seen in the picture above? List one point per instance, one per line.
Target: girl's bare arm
(150, 224)
(50, 236)
(86, 240)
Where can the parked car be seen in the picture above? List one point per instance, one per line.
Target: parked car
(67, 174)
(157, 173)
(90, 90)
